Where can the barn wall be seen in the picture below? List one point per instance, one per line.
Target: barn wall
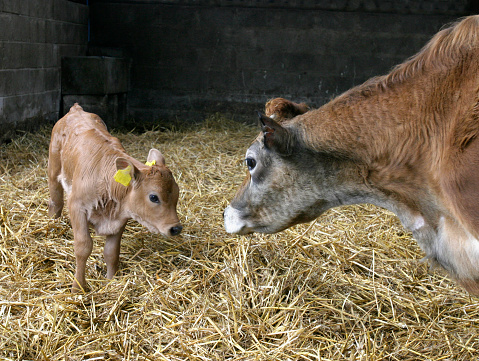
(204, 56)
(34, 35)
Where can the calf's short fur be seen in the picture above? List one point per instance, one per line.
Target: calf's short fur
(407, 141)
(83, 160)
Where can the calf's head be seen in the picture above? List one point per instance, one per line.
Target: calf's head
(287, 183)
(153, 196)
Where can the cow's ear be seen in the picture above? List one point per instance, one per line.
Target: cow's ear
(126, 171)
(275, 136)
(155, 156)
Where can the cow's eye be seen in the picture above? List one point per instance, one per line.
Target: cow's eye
(154, 198)
(251, 163)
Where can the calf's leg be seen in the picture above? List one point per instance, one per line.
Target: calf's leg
(55, 204)
(83, 245)
(111, 253)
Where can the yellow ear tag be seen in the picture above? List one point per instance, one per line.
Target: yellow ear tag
(153, 162)
(123, 176)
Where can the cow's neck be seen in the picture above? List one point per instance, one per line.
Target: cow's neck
(401, 130)
(378, 140)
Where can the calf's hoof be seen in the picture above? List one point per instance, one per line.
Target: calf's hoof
(54, 211)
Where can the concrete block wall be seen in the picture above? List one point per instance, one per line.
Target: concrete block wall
(98, 84)
(193, 57)
(34, 36)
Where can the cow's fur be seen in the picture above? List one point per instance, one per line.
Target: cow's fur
(407, 141)
(83, 160)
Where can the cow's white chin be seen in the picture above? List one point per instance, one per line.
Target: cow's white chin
(233, 222)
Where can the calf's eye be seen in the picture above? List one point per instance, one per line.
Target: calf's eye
(251, 163)
(154, 198)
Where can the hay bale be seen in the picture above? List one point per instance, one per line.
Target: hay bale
(348, 286)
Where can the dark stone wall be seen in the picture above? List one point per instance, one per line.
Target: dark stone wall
(98, 84)
(191, 58)
(34, 35)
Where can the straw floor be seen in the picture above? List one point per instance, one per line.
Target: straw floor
(350, 286)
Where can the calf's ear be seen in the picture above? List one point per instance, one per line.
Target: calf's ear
(126, 171)
(155, 155)
(123, 163)
(275, 136)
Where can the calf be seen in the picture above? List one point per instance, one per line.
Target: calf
(407, 141)
(105, 188)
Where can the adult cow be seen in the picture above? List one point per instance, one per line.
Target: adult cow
(407, 141)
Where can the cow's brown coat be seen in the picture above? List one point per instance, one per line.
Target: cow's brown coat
(407, 141)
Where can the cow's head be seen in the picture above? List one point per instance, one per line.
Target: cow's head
(287, 183)
(153, 196)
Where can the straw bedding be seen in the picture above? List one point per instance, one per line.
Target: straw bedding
(349, 286)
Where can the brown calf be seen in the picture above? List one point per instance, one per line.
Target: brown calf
(84, 161)
(407, 141)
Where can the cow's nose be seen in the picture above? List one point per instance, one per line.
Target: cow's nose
(176, 230)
